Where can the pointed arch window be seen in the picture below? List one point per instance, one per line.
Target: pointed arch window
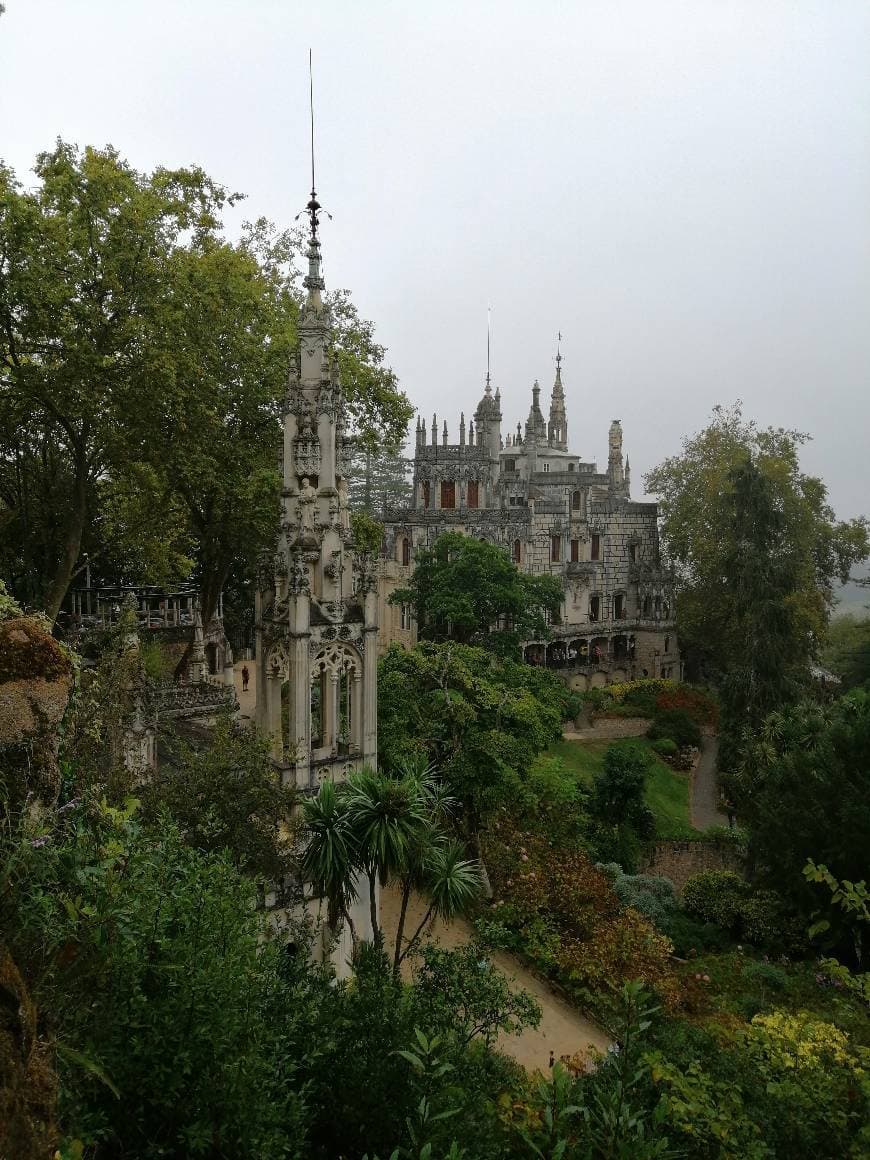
(517, 552)
(406, 552)
(575, 501)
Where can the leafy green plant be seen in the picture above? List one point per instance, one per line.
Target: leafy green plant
(716, 896)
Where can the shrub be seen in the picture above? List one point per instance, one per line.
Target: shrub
(716, 896)
(651, 895)
(677, 725)
(665, 747)
(765, 976)
(766, 923)
(690, 936)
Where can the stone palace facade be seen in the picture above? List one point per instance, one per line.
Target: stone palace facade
(552, 512)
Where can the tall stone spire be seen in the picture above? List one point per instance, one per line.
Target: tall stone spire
(536, 427)
(615, 472)
(557, 429)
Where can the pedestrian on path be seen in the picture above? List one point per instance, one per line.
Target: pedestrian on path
(245, 678)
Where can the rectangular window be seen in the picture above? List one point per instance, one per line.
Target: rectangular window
(406, 616)
(448, 493)
(555, 549)
(473, 494)
(546, 467)
(510, 465)
(618, 607)
(596, 547)
(575, 551)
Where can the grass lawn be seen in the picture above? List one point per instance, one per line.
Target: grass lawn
(667, 792)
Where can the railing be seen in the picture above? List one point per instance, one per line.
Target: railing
(173, 700)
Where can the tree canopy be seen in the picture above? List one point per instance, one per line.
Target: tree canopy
(478, 719)
(470, 591)
(707, 509)
(143, 366)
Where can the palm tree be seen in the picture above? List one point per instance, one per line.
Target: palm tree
(452, 883)
(387, 819)
(437, 805)
(329, 856)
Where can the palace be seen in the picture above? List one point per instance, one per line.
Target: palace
(552, 512)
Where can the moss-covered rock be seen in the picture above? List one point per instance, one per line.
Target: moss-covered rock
(36, 679)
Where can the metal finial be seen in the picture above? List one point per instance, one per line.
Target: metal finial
(488, 333)
(558, 350)
(313, 208)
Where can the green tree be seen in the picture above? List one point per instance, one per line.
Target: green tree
(478, 719)
(802, 788)
(377, 477)
(617, 797)
(85, 264)
(702, 536)
(469, 591)
(229, 797)
(145, 356)
(388, 830)
(459, 991)
(176, 1032)
(846, 651)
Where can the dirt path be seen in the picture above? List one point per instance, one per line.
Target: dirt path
(705, 788)
(562, 1030)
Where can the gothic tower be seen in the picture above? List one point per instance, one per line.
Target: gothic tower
(316, 607)
(557, 429)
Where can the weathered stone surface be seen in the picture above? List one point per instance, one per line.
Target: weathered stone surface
(36, 678)
(553, 514)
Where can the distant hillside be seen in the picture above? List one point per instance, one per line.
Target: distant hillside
(852, 598)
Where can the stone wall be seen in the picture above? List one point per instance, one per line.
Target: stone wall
(680, 860)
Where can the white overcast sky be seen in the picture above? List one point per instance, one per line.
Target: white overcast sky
(682, 187)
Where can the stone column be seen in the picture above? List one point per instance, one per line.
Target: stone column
(356, 711)
(274, 680)
(329, 693)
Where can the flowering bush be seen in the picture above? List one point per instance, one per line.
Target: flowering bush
(568, 918)
(697, 704)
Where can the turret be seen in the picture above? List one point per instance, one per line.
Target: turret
(488, 419)
(615, 473)
(557, 429)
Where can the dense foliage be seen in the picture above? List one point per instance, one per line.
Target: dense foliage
(470, 591)
(726, 476)
(478, 719)
(143, 365)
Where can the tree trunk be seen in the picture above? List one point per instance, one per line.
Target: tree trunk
(377, 933)
(397, 957)
(72, 544)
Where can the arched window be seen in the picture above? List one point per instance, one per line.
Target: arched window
(667, 644)
(647, 607)
(427, 494)
(575, 501)
(406, 551)
(517, 552)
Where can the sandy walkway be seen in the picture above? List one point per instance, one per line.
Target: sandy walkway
(562, 1030)
(247, 701)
